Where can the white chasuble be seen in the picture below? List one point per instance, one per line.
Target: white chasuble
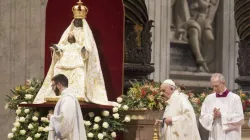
(184, 126)
(228, 127)
(67, 122)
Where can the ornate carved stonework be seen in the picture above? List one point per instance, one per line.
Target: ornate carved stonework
(192, 23)
(137, 42)
(133, 52)
(136, 71)
(242, 21)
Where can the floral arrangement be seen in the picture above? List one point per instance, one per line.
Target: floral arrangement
(105, 125)
(29, 124)
(197, 99)
(144, 95)
(245, 99)
(23, 94)
(32, 124)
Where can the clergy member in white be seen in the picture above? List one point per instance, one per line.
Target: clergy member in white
(179, 120)
(67, 122)
(222, 113)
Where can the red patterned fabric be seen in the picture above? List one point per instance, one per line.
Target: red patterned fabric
(106, 20)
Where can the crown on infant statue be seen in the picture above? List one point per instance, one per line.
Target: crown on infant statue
(80, 11)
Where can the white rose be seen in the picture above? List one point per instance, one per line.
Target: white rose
(13, 129)
(23, 103)
(34, 118)
(44, 119)
(46, 129)
(27, 116)
(29, 138)
(30, 126)
(22, 119)
(22, 132)
(90, 135)
(10, 135)
(17, 124)
(28, 96)
(119, 99)
(87, 123)
(18, 111)
(100, 136)
(113, 134)
(17, 119)
(115, 109)
(40, 129)
(119, 105)
(127, 119)
(104, 133)
(125, 107)
(97, 119)
(116, 116)
(37, 135)
(96, 126)
(91, 114)
(105, 125)
(105, 113)
(26, 111)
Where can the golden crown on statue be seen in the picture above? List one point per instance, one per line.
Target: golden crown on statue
(80, 10)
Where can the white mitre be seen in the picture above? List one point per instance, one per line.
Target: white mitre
(169, 82)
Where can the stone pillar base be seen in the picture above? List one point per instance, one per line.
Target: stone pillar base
(244, 82)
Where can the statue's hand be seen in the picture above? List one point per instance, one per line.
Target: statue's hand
(54, 47)
(84, 50)
(84, 53)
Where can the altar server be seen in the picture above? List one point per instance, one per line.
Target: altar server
(222, 113)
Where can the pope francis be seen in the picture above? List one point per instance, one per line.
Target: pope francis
(179, 120)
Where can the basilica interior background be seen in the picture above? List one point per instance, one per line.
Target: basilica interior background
(22, 37)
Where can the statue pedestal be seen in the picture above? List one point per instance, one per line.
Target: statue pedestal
(137, 72)
(82, 104)
(245, 135)
(142, 126)
(244, 82)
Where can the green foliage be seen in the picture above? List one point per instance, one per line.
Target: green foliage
(144, 94)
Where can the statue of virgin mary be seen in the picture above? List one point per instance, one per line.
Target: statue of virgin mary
(78, 61)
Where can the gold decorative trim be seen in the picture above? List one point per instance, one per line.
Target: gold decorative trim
(56, 98)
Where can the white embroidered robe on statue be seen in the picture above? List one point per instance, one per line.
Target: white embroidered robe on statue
(67, 121)
(228, 127)
(184, 126)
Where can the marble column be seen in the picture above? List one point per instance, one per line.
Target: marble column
(22, 37)
(227, 48)
(159, 11)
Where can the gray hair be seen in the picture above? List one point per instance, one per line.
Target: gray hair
(218, 76)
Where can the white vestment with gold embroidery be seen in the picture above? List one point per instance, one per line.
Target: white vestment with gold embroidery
(184, 126)
(84, 74)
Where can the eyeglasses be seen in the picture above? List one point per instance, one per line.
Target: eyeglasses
(52, 85)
